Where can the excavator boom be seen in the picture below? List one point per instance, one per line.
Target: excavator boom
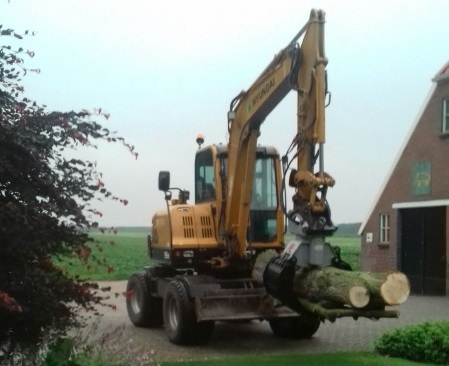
(296, 67)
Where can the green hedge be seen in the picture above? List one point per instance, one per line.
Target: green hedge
(427, 342)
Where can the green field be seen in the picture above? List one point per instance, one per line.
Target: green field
(113, 257)
(350, 249)
(117, 256)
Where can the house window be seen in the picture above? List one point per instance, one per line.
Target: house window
(384, 228)
(445, 121)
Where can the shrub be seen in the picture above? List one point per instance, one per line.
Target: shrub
(427, 342)
(59, 353)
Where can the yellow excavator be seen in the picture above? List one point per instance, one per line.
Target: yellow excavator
(203, 254)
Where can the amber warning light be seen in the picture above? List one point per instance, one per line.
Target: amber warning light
(199, 140)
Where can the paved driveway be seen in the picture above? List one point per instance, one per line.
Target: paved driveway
(240, 339)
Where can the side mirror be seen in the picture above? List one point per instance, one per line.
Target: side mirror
(164, 181)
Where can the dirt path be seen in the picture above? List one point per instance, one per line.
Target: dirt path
(242, 339)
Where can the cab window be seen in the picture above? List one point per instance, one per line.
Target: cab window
(204, 177)
(264, 202)
(264, 186)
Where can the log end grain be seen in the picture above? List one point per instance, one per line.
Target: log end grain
(396, 289)
(358, 296)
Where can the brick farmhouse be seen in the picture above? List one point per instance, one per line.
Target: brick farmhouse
(408, 226)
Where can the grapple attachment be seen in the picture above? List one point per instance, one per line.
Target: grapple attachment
(278, 278)
(279, 281)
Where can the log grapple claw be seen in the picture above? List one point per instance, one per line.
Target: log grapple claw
(278, 278)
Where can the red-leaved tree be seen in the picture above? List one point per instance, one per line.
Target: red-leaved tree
(46, 202)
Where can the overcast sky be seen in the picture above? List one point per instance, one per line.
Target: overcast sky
(167, 70)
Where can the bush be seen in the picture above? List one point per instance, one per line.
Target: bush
(427, 342)
(59, 353)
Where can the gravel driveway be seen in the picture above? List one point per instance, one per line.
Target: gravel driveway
(242, 339)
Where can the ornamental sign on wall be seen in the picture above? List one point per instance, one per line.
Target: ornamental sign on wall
(421, 178)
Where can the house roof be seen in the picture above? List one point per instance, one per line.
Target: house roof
(443, 73)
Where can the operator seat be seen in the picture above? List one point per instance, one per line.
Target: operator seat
(208, 192)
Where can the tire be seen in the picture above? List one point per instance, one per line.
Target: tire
(180, 322)
(303, 326)
(143, 309)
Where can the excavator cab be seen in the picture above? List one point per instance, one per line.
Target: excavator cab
(266, 221)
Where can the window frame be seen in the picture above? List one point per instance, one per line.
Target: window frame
(264, 196)
(204, 176)
(384, 228)
(445, 116)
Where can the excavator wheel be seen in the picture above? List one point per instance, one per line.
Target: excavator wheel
(143, 309)
(303, 326)
(180, 322)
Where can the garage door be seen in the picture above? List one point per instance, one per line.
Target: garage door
(423, 248)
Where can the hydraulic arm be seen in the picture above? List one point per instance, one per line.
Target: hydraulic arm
(300, 68)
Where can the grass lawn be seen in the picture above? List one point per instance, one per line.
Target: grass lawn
(334, 359)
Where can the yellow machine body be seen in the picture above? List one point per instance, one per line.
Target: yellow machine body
(193, 227)
(189, 235)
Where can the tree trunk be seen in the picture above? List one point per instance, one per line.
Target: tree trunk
(355, 289)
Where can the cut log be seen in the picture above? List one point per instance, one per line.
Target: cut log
(355, 289)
